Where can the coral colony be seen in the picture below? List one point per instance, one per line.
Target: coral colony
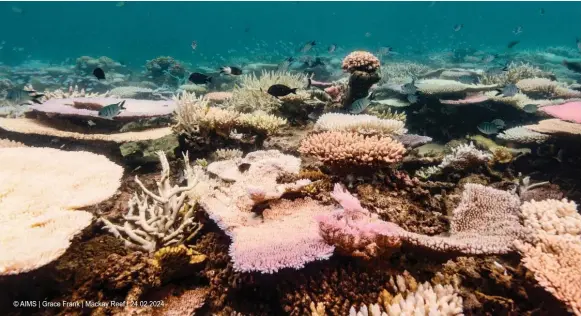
(453, 192)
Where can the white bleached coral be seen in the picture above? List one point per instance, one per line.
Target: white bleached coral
(521, 134)
(552, 217)
(360, 123)
(463, 156)
(442, 86)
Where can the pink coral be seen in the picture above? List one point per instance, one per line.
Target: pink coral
(335, 92)
(570, 111)
(361, 61)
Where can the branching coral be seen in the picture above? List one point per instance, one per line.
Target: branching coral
(465, 156)
(352, 148)
(360, 123)
(261, 122)
(515, 73)
(164, 222)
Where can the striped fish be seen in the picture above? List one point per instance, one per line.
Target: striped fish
(360, 105)
(487, 128)
(23, 96)
(111, 110)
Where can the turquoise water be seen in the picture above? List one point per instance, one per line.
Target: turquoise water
(138, 31)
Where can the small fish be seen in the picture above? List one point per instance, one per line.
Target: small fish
(280, 90)
(530, 108)
(120, 4)
(285, 65)
(316, 62)
(384, 51)
(458, 27)
(111, 110)
(487, 128)
(332, 48)
(509, 90)
(512, 44)
(412, 98)
(231, 70)
(91, 123)
(410, 88)
(579, 45)
(99, 73)
(542, 11)
(194, 45)
(199, 78)
(360, 105)
(307, 47)
(467, 79)
(23, 96)
(573, 66)
(517, 30)
(368, 35)
(499, 123)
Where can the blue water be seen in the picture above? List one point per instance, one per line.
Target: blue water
(138, 31)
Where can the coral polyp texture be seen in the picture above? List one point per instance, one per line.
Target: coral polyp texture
(39, 193)
(352, 148)
(361, 61)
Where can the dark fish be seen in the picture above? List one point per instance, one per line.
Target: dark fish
(360, 105)
(487, 128)
(307, 47)
(458, 27)
(99, 73)
(280, 90)
(285, 65)
(579, 45)
(499, 123)
(316, 62)
(542, 11)
(332, 48)
(410, 88)
(235, 71)
(23, 96)
(509, 90)
(412, 98)
(199, 78)
(573, 66)
(512, 44)
(112, 110)
(530, 108)
(497, 71)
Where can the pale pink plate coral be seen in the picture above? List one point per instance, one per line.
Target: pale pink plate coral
(570, 111)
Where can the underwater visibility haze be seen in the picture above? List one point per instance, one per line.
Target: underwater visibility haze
(290, 158)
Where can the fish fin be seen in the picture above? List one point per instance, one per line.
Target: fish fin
(309, 81)
(122, 105)
(294, 90)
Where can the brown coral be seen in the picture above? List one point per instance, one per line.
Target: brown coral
(361, 61)
(352, 148)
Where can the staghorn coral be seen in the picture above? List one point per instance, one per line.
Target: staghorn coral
(515, 73)
(436, 87)
(464, 156)
(360, 61)
(194, 116)
(33, 215)
(164, 222)
(552, 217)
(352, 149)
(72, 92)
(360, 123)
(521, 134)
(555, 262)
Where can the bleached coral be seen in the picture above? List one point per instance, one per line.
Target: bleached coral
(441, 87)
(401, 72)
(352, 148)
(544, 87)
(515, 73)
(555, 126)
(261, 122)
(552, 217)
(162, 222)
(130, 92)
(194, 115)
(464, 156)
(226, 154)
(360, 123)
(521, 134)
(72, 92)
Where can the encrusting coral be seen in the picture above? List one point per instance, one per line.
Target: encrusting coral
(38, 193)
(164, 222)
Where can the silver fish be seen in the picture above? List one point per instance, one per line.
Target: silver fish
(458, 27)
(530, 108)
(383, 51)
(488, 58)
(412, 98)
(487, 128)
(285, 65)
(499, 123)
(468, 79)
(332, 48)
(517, 30)
(360, 105)
(307, 47)
(23, 96)
(112, 110)
(410, 88)
(509, 90)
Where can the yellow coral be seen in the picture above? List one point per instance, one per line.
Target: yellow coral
(261, 122)
(177, 260)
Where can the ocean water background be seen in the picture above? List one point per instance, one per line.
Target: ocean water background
(138, 31)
